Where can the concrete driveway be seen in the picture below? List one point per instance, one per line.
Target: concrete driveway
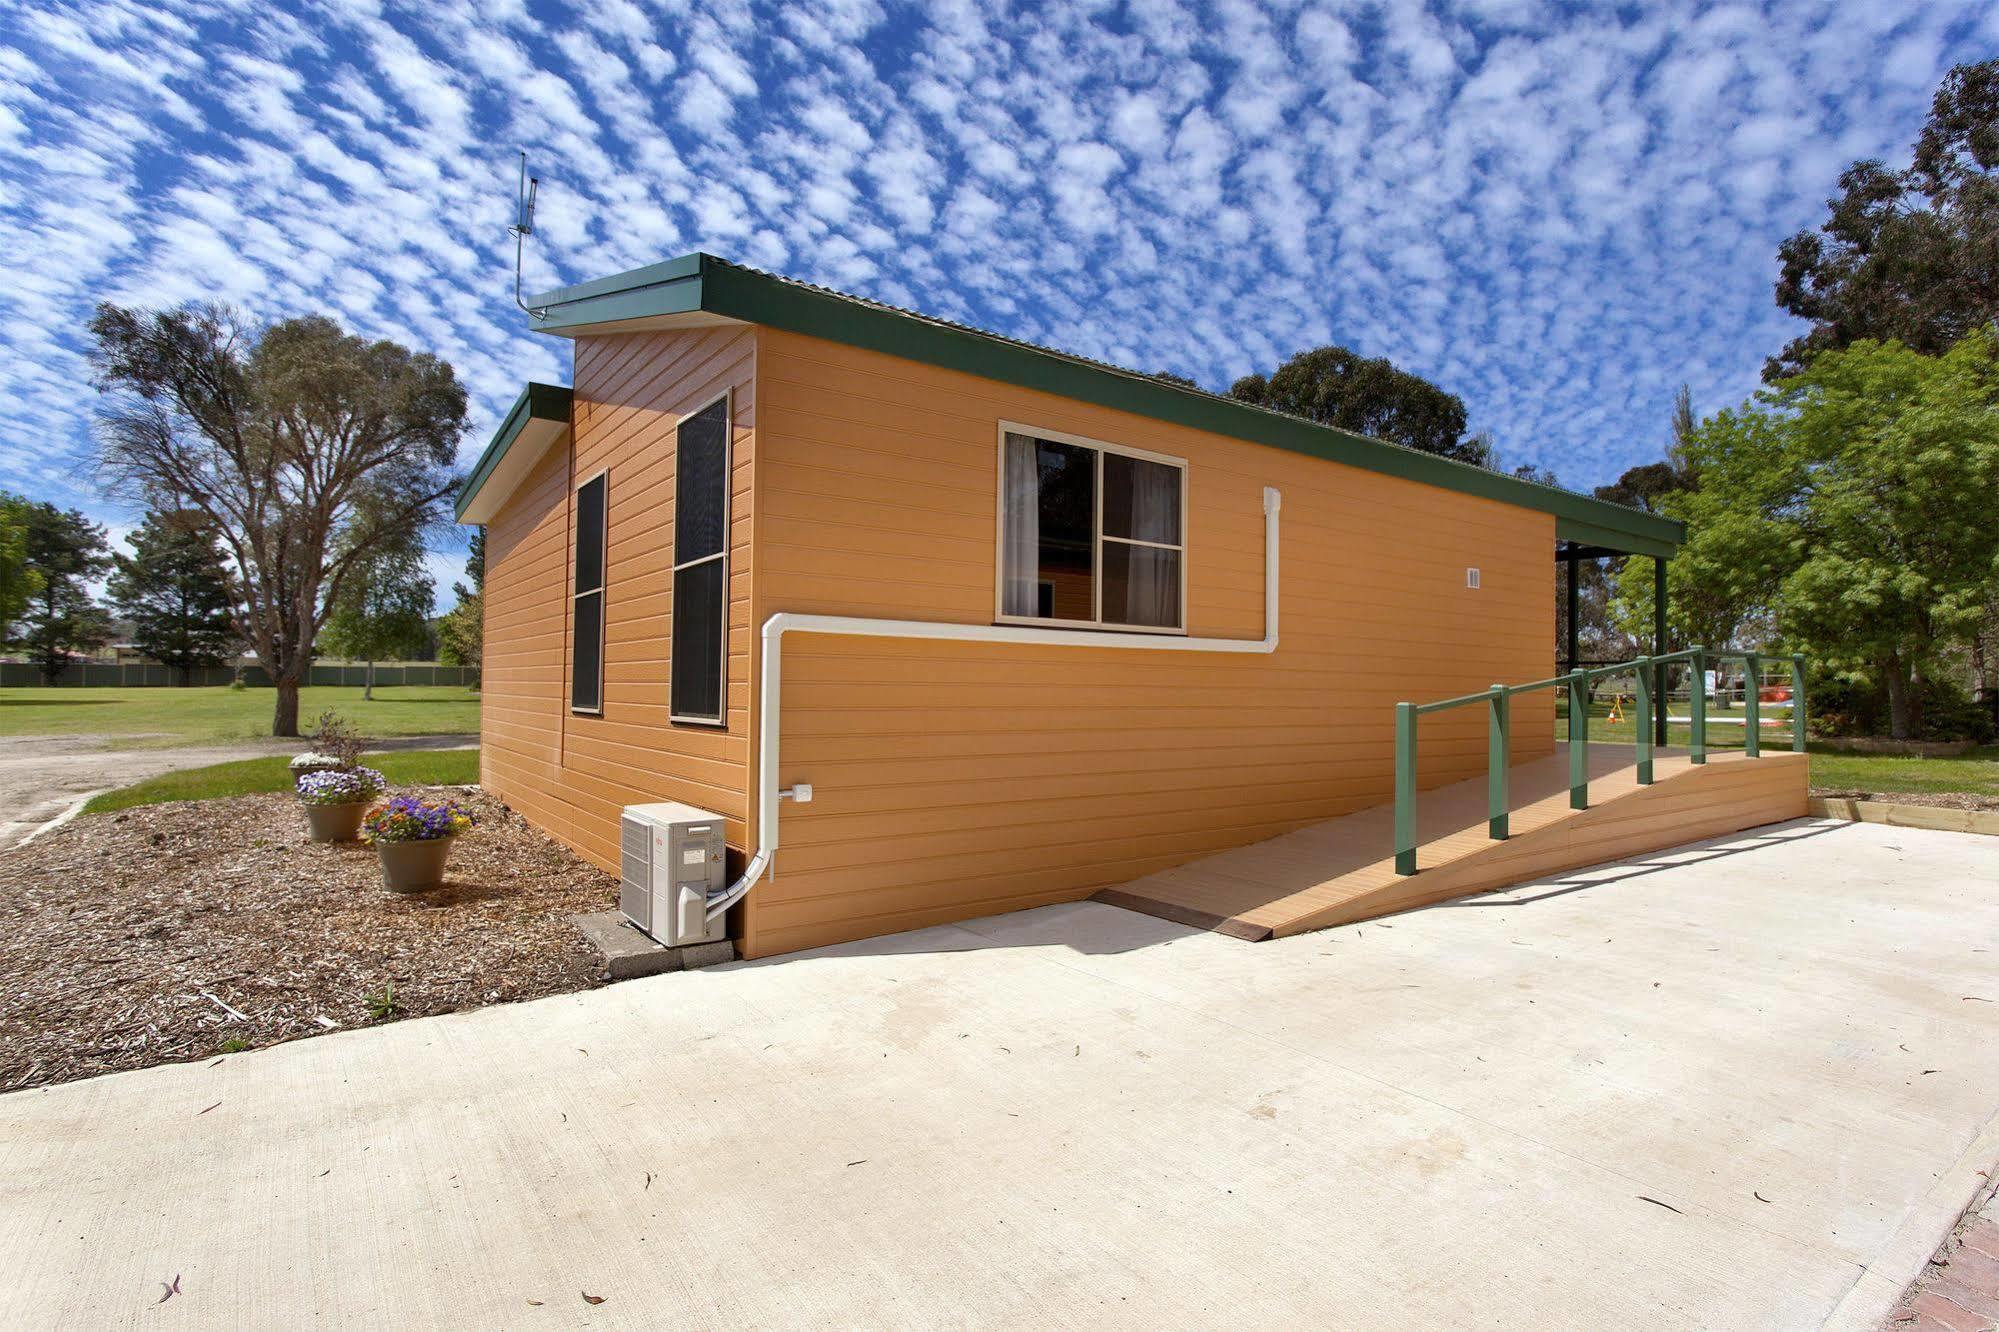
(1745, 1084)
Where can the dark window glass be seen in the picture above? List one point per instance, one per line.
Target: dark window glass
(701, 485)
(590, 534)
(1066, 563)
(698, 673)
(700, 622)
(1141, 585)
(586, 657)
(1141, 500)
(586, 654)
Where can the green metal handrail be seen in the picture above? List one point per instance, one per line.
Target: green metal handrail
(1650, 673)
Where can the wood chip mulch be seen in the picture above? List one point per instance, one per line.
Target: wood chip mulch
(1933, 799)
(127, 938)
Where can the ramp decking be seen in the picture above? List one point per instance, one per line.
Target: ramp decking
(1343, 870)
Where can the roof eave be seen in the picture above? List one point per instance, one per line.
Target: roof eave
(703, 285)
(537, 419)
(670, 288)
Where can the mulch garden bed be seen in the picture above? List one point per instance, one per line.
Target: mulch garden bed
(1933, 799)
(127, 939)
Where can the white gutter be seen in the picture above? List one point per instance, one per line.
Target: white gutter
(778, 625)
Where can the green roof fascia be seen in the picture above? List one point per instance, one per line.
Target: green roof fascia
(673, 287)
(1619, 538)
(540, 402)
(715, 286)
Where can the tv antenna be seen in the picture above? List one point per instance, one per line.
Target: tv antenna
(522, 228)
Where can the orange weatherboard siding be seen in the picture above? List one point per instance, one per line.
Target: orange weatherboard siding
(573, 773)
(955, 780)
(958, 779)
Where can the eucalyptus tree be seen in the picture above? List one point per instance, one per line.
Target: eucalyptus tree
(306, 448)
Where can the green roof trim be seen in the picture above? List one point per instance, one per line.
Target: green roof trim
(702, 283)
(538, 402)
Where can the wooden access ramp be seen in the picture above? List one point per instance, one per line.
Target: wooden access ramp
(1343, 870)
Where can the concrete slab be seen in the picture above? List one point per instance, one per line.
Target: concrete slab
(630, 954)
(1734, 1085)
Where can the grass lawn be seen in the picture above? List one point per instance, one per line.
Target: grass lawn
(1976, 773)
(171, 717)
(414, 767)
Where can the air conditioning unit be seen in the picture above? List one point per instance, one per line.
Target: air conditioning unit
(674, 862)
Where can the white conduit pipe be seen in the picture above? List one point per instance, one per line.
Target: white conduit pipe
(778, 625)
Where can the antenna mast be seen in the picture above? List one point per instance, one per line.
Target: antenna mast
(522, 228)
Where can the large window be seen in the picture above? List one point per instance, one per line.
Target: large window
(1091, 534)
(698, 687)
(586, 652)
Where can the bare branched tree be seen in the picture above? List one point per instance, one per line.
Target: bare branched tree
(305, 447)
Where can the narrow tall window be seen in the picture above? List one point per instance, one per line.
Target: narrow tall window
(698, 689)
(586, 654)
(1091, 535)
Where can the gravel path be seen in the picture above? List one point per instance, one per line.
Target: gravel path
(42, 775)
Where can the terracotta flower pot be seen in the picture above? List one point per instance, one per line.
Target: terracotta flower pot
(336, 823)
(411, 867)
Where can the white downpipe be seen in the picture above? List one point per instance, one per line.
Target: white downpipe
(778, 625)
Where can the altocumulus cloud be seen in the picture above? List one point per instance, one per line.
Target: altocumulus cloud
(1559, 212)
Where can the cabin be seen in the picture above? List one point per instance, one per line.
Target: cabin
(944, 624)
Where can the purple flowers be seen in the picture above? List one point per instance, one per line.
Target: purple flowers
(342, 786)
(414, 819)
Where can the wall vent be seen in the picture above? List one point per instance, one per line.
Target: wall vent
(1471, 578)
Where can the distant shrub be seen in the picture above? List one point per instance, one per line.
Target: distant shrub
(1860, 708)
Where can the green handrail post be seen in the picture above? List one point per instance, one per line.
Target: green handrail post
(1405, 788)
(1498, 744)
(1752, 699)
(1798, 703)
(1642, 714)
(1578, 739)
(1697, 705)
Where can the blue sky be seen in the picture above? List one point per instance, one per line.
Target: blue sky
(1559, 212)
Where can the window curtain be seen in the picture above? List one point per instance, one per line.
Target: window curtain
(1152, 594)
(1021, 554)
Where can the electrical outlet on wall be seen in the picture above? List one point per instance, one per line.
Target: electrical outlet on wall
(1471, 579)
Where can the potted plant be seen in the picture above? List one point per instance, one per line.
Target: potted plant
(304, 765)
(335, 746)
(412, 838)
(336, 800)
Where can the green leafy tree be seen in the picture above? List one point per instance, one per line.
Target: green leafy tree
(1852, 506)
(1907, 255)
(384, 609)
(1719, 586)
(64, 551)
(1338, 387)
(461, 634)
(18, 582)
(1645, 486)
(307, 449)
(1685, 423)
(175, 590)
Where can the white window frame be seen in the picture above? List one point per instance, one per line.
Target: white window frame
(603, 585)
(1098, 538)
(725, 397)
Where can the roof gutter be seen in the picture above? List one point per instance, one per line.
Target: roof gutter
(702, 288)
